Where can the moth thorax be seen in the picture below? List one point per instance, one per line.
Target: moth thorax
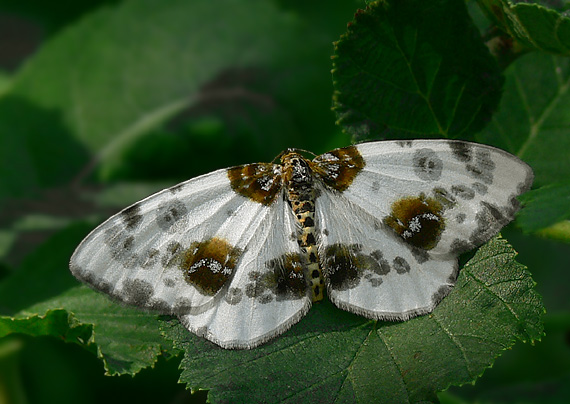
(297, 173)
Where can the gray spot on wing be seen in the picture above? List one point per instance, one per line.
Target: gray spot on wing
(463, 192)
(427, 165)
(459, 246)
(522, 187)
(121, 246)
(491, 216)
(132, 217)
(344, 266)
(77, 270)
(481, 189)
(137, 292)
(104, 286)
(514, 207)
(401, 265)
(284, 280)
(442, 292)
(91, 279)
(182, 305)
(171, 215)
(484, 176)
(527, 183)
(374, 281)
(444, 197)
(461, 150)
(490, 219)
(378, 264)
(160, 305)
(149, 258)
(177, 188)
(171, 253)
(169, 282)
(265, 298)
(419, 254)
(260, 287)
(404, 143)
(482, 167)
(233, 296)
(375, 186)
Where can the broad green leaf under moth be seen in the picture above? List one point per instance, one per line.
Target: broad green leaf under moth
(127, 340)
(240, 254)
(335, 357)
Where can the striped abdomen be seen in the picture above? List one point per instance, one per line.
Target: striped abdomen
(299, 185)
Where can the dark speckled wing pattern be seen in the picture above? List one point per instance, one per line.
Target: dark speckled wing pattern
(389, 243)
(240, 254)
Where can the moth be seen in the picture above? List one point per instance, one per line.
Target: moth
(240, 254)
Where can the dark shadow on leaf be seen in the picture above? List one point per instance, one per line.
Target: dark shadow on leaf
(37, 151)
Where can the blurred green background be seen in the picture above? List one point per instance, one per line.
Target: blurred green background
(103, 103)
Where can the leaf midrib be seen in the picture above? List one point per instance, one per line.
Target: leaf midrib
(535, 127)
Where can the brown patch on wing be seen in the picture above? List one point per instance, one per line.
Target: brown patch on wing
(339, 167)
(342, 267)
(418, 220)
(288, 276)
(260, 182)
(209, 264)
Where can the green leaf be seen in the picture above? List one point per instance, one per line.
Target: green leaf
(121, 72)
(56, 323)
(545, 207)
(534, 116)
(414, 68)
(532, 123)
(39, 294)
(54, 16)
(126, 339)
(7, 239)
(43, 273)
(11, 384)
(119, 195)
(533, 26)
(558, 231)
(5, 82)
(334, 356)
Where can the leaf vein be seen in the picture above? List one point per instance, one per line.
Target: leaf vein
(549, 107)
(412, 75)
(457, 344)
(497, 296)
(379, 332)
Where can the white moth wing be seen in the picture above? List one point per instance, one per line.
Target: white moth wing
(243, 295)
(369, 270)
(134, 255)
(476, 186)
(265, 297)
(397, 214)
